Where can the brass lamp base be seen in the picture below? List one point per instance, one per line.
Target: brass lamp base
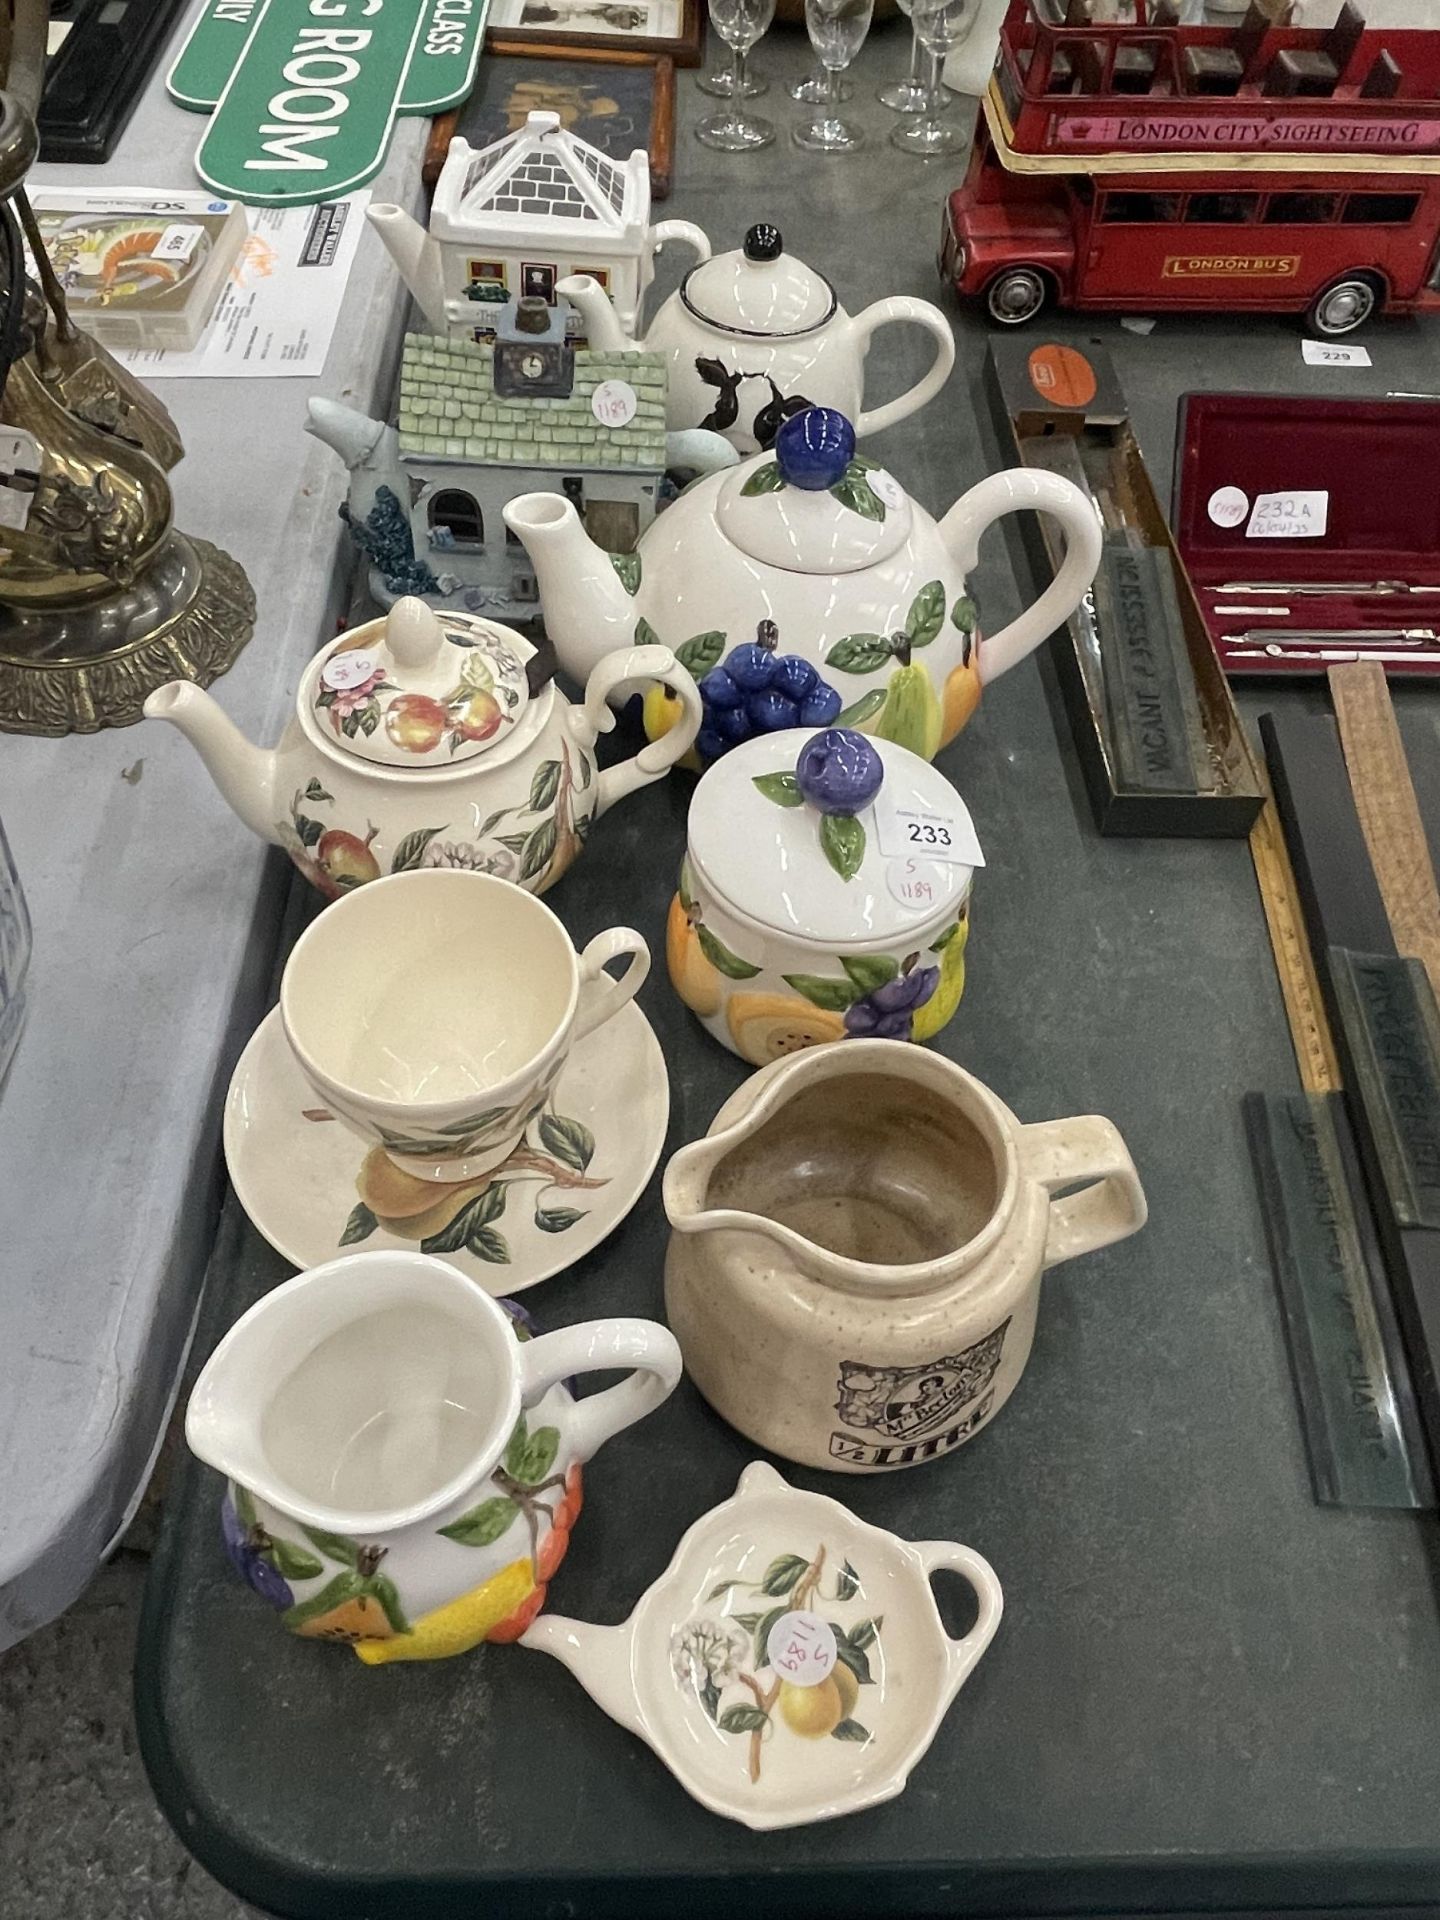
(78, 669)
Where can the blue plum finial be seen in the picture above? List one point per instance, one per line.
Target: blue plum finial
(813, 449)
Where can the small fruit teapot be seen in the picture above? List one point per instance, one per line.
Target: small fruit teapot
(854, 575)
(755, 336)
(403, 1461)
(432, 741)
(824, 895)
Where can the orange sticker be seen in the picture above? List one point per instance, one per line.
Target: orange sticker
(1063, 376)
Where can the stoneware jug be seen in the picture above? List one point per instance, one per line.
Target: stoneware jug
(754, 336)
(425, 740)
(854, 1271)
(402, 1459)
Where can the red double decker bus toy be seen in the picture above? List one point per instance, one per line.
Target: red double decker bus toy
(1151, 166)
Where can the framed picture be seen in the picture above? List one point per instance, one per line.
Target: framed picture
(537, 282)
(675, 28)
(617, 102)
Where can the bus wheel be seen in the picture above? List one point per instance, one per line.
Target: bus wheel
(1344, 306)
(1016, 295)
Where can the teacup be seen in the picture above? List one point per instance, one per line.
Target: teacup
(433, 1012)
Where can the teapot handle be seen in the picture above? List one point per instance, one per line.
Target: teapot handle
(683, 230)
(1058, 1153)
(656, 759)
(601, 1346)
(1008, 492)
(963, 1654)
(904, 306)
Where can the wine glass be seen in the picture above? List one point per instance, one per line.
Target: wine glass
(837, 30)
(940, 26)
(739, 23)
(907, 95)
(720, 82)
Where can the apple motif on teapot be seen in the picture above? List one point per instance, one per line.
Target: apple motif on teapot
(828, 548)
(425, 740)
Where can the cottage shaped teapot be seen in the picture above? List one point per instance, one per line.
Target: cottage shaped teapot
(828, 549)
(428, 741)
(755, 336)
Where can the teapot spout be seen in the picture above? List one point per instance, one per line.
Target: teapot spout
(416, 254)
(244, 774)
(599, 1658)
(588, 613)
(592, 303)
(369, 448)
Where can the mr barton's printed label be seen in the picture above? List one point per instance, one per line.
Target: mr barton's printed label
(896, 1416)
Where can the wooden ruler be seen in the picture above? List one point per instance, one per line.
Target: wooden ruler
(1304, 1009)
(1389, 814)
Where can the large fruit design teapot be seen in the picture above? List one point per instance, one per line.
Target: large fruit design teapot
(828, 548)
(432, 741)
(755, 336)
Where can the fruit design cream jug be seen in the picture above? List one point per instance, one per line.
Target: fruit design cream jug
(425, 740)
(824, 895)
(827, 551)
(403, 1461)
(854, 1268)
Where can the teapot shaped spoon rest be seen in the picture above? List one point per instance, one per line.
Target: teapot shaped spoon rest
(790, 1664)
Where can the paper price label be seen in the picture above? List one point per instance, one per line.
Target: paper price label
(917, 833)
(20, 459)
(177, 242)
(1320, 353)
(345, 670)
(887, 487)
(1289, 516)
(1228, 506)
(614, 403)
(801, 1647)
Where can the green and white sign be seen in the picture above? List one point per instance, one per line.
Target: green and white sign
(304, 93)
(307, 112)
(440, 74)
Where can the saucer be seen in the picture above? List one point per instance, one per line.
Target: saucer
(302, 1175)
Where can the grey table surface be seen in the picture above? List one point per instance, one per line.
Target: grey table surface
(154, 923)
(1208, 1693)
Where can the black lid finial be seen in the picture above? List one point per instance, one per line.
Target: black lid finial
(763, 242)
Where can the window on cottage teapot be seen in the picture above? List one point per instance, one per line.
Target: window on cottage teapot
(459, 514)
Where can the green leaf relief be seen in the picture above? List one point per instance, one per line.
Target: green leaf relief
(361, 1224)
(942, 940)
(314, 791)
(557, 1219)
(749, 1621)
(492, 822)
(474, 1123)
(833, 995)
(782, 788)
(926, 615)
(293, 1562)
(842, 841)
(486, 1206)
(333, 1545)
(724, 1587)
(645, 634)
(627, 565)
(854, 1658)
(490, 1246)
(870, 971)
(345, 1586)
(965, 614)
(571, 1141)
(721, 958)
(847, 1584)
(384, 1590)
(860, 653)
(411, 849)
(710, 1697)
(854, 491)
(539, 850)
(782, 1573)
(539, 1457)
(686, 888)
(766, 479)
(743, 1720)
(483, 1525)
(863, 709)
(763, 1628)
(700, 653)
(514, 841)
(864, 1634)
(515, 1447)
(309, 831)
(545, 786)
(851, 1730)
